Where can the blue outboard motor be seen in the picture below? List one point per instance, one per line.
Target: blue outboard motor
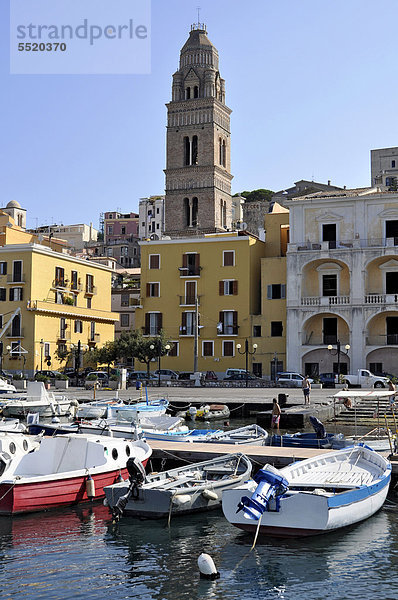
(269, 486)
(319, 428)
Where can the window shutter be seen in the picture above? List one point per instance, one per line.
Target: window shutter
(183, 323)
(147, 321)
(269, 292)
(221, 288)
(11, 293)
(235, 321)
(185, 261)
(160, 322)
(148, 289)
(235, 287)
(156, 289)
(197, 263)
(21, 298)
(283, 290)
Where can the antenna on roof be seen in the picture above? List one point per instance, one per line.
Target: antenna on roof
(198, 9)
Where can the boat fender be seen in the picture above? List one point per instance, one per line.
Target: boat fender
(181, 499)
(55, 420)
(207, 567)
(209, 495)
(90, 487)
(270, 485)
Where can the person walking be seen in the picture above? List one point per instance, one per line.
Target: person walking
(276, 415)
(306, 389)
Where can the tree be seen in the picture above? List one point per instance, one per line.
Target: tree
(134, 345)
(106, 355)
(259, 195)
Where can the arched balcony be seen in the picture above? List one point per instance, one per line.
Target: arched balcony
(381, 282)
(325, 283)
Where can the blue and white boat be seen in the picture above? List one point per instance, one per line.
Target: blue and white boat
(312, 496)
(133, 412)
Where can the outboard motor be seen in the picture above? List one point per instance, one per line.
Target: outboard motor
(270, 485)
(318, 427)
(136, 471)
(137, 476)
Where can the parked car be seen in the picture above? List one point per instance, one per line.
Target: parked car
(240, 377)
(289, 379)
(185, 375)
(101, 376)
(165, 374)
(230, 372)
(141, 376)
(327, 379)
(210, 376)
(51, 375)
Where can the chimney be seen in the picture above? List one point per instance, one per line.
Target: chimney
(328, 181)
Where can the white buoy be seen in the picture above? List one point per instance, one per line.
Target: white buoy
(207, 567)
(55, 420)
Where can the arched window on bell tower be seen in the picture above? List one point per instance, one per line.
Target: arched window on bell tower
(194, 212)
(224, 154)
(195, 150)
(187, 212)
(187, 151)
(196, 92)
(187, 93)
(220, 151)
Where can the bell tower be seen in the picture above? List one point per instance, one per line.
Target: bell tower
(198, 178)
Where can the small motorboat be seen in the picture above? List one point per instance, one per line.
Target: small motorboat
(12, 425)
(13, 446)
(97, 409)
(133, 412)
(317, 439)
(312, 496)
(5, 387)
(193, 488)
(249, 434)
(206, 412)
(38, 400)
(66, 470)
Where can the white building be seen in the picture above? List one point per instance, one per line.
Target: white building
(77, 236)
(342, 281)
(384, 167)
(151, 218)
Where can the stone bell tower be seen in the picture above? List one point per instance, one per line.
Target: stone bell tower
(198, 178)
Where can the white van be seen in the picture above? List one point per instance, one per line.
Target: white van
(230, 372)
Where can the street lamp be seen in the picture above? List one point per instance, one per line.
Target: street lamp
(159, 350)
(78, 347)
(337, 352)
(246, 352)
(41, 353)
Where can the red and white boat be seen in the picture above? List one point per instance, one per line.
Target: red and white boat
(66, 470)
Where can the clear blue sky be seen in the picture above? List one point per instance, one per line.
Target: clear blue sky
(312, 85)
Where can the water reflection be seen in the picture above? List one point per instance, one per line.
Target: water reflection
(79, 552)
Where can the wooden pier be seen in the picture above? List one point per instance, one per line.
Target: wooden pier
(259, 455)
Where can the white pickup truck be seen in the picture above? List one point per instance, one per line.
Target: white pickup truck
(365, 378)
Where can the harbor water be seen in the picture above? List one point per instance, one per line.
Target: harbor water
(79, 553)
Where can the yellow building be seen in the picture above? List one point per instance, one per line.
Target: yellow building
(269, 326)
(223, 272)
(48, 300)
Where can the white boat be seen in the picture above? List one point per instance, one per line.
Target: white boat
(13, 446)
(311, 496)
(193, 488)
(206, 412)
(97, 409)
(132, 412)
(249, 434)
(66, 470)
(12, 425)
(6, 388)
(38, 400)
